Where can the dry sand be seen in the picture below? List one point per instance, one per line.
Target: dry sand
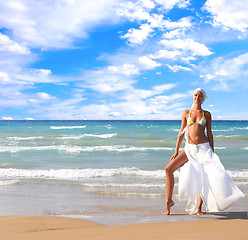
(48, 227)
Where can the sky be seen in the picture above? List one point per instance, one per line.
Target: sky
(122, 59)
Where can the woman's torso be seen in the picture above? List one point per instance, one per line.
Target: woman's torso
(196, 122)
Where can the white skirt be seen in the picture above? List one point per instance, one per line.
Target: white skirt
(204, 175)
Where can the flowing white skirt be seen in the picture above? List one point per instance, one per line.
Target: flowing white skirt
(204, 175)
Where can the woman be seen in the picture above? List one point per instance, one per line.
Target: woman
(203, 178)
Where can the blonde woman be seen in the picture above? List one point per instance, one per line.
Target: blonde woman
(203, 179)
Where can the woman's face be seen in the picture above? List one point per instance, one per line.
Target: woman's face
(198, 97)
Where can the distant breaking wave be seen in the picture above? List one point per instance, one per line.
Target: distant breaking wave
(109, 135)
(9, 182)
(92, 173)
(25, 138)
(67, 127)
(78, 149)
(77, 174)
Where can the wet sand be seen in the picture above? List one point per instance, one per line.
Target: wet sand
(58, 228)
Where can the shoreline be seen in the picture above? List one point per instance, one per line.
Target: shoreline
(59, 228)
(115, 120)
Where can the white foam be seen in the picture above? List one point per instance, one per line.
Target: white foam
(245, 148)
(230, 136)
(67, 127)
(220, 147)
(109, 135)
(25, 138)
(79, 174)
(238, 174)
(153, 178)
(241, 128)
(9, 182)
(133, 194)
(221, 130)
(120, 185)
(78, 149)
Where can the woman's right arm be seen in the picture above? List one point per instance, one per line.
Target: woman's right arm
(180, 136)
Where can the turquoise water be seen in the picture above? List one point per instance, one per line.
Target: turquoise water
(100, 160)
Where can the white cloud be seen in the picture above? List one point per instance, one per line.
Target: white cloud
(166, 54)
(54, 24)
(134, 95)
(182, 24)
(7, 45)
(148, 63)
(7, 118)
(135, 11)
(194, 47)
(162, 88)
(125, 69)
(177, 68)
(108, 80)
(44, 96)
(169, 4)
(4, 78)
(148, 4)
(207, 77)
(229, 13)
(227, 72)
(137, 36)
(114, 114)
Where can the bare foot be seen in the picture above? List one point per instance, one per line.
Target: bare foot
(168, 205)
(199, 213)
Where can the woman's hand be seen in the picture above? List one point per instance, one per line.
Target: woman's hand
(174, 156)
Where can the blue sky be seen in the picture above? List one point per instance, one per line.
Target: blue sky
(122, 59)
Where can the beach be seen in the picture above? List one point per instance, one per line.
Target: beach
(57, 228)
(61, 178)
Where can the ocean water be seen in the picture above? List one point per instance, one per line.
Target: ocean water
(94, 169)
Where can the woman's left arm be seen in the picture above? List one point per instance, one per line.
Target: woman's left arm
(209, 130)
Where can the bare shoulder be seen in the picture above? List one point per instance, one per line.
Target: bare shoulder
(207, 114)
(185, 113)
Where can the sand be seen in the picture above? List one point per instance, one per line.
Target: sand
(49, 227)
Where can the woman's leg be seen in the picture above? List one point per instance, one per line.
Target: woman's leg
(172, 166)
(200, 207)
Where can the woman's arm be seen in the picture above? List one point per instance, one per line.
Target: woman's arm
(180, 136)
(209, 130)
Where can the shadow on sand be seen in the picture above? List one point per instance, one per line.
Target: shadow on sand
(230, 215)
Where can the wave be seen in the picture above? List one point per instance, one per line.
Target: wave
(222, 130)
(238, 174)
(232, 137)
(229, 136)
(91, 173)
(120, 185)
(241, 128)
(219, 148)
(68, 127)
(9, 182)
(78, 149)
(25, 138)
(230, 130)
(108, 135)
(132, 194)
(79, 174)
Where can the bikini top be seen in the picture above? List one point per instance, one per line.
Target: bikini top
(202, 122)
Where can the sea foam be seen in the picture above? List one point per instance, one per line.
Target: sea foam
(78, 149)
(67, 127)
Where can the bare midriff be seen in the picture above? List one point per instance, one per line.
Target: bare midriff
(197, 134)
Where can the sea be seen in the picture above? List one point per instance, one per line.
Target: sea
(110, 172)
